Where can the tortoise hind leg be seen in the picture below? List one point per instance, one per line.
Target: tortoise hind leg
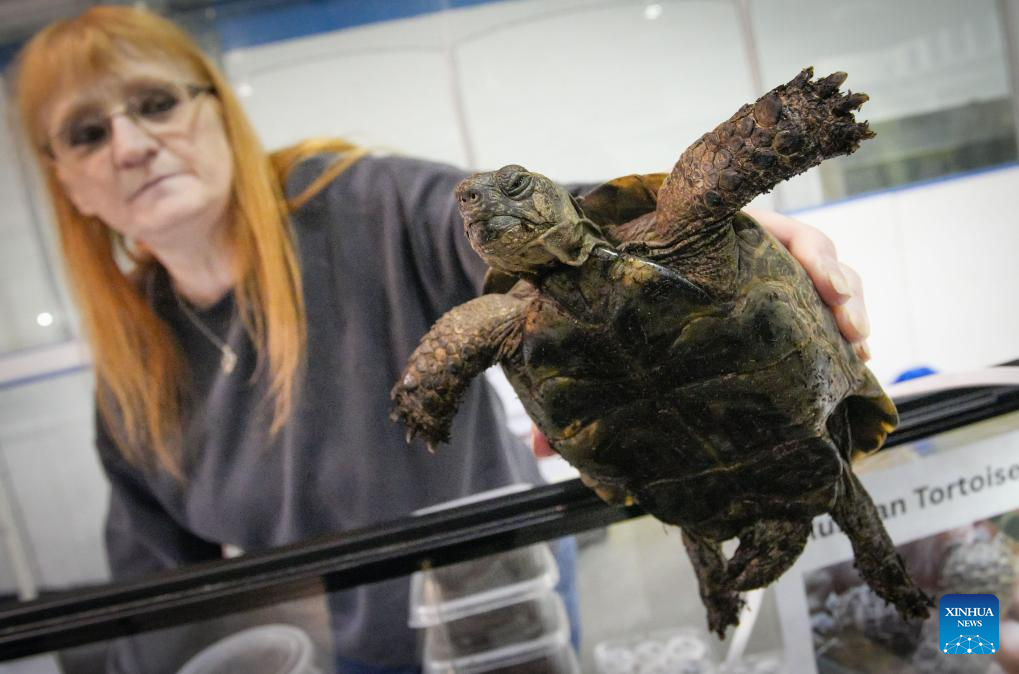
(878, 562)
(722, 603)
(765, 552)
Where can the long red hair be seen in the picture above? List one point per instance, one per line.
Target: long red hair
(140, 373)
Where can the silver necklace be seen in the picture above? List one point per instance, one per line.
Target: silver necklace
(229, 359)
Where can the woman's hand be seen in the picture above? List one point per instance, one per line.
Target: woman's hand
(838, 285)
(539, 443)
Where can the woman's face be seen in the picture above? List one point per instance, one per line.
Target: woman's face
(156, 177)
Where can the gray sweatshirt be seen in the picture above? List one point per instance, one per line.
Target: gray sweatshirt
(383, 255)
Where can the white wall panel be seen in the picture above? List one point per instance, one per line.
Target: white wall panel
(911, 56)
(381, 86)
(26, 287)
(46, 440)
(594, 91)
(938, 265)
(962, 240)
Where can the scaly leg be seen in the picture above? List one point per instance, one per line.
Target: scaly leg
(461, 345)
(791, 128)
(765, 552)
(878, 562)
(722, 603)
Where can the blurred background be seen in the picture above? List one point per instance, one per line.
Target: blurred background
(581, 90)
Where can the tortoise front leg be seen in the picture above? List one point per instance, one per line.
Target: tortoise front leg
(788, 130)
(461, 345)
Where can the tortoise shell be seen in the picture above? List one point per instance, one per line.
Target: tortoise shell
(675, 353)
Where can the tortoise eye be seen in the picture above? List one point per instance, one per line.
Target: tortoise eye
(513, 180)
(518, 185)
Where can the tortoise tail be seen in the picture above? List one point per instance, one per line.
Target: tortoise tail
(861, 422)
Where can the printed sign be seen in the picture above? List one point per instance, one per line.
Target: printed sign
(954, 517)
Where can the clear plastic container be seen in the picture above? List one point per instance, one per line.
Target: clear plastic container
(560, 660)
(531, 637)
(266, 649)
(771, 662)
(453, 592)
(672, 651)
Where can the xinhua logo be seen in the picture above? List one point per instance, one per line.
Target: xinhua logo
(968, 623)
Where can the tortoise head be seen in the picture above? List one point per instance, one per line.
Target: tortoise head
(522, 222)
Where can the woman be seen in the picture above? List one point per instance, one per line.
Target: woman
(244, 361)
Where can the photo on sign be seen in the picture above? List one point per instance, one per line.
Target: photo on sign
(855, 631)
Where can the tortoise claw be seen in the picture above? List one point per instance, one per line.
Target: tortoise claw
(829, 85)
(803, 77)
(851, 101)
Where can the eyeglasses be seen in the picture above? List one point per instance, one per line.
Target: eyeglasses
(156, 107)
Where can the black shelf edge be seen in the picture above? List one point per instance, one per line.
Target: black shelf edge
(392, 550)
(381, 552)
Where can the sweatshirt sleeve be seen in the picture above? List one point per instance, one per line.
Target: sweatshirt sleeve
(434, 228)
(141, 536)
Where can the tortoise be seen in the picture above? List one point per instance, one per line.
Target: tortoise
(674, 352)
